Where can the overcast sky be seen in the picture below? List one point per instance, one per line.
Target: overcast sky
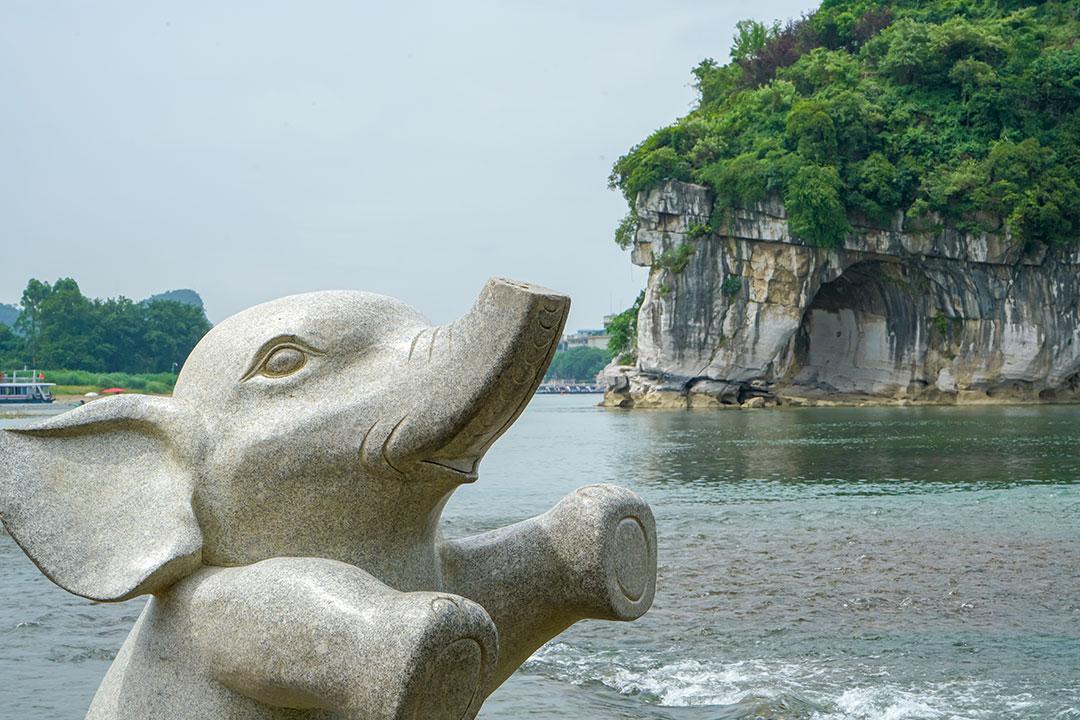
(250, 150)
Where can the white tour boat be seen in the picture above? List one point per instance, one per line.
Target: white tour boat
(24, 386)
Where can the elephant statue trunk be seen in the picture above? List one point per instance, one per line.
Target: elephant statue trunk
(478, 373)
(282, 511)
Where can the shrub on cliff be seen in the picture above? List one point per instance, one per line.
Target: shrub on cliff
(966, 108)
(622, 332)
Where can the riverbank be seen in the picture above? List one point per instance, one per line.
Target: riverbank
(73, 395)
(20, 412)
(64, 398)
(674, 400)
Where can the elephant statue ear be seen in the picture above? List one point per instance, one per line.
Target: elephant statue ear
(100, 498)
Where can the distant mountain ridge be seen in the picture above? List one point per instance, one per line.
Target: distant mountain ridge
(10, 313)
(185, 295)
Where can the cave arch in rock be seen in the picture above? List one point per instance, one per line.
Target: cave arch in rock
(863, 333)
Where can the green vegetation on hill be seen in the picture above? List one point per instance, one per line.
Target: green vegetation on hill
(579, 364)
(622, 333)
(963, 108)
(61, 328)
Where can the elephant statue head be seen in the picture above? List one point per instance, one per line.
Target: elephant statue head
(332, 426)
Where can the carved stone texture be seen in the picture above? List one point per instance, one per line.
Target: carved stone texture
(283, 509)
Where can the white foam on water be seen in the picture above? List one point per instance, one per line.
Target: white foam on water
(685, 683)
(884, 703)
(958, 700)
(699, 683)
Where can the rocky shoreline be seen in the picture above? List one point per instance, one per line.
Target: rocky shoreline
(913, 314)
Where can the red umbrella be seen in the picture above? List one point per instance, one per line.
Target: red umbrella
(113, 391)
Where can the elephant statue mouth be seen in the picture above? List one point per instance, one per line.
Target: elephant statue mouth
(464, 468)
(494, 359)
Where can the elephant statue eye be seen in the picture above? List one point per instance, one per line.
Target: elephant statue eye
(280, 358)
(283, 361)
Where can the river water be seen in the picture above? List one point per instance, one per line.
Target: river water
(817, 564)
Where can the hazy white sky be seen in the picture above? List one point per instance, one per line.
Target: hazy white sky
(254, 149)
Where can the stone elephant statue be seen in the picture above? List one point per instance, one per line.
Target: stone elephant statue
(282, 509)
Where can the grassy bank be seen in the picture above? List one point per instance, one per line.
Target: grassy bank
(80, 382)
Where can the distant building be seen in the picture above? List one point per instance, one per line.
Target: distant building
(585, 338)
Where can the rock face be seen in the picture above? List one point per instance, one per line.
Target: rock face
(908, 314)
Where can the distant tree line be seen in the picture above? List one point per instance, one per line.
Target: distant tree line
(577, 365)
(583, 364)
(59, 327)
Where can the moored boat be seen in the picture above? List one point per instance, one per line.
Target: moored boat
(24, 386)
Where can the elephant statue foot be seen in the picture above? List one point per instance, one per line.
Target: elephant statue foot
(282, 509)
(303, 634)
